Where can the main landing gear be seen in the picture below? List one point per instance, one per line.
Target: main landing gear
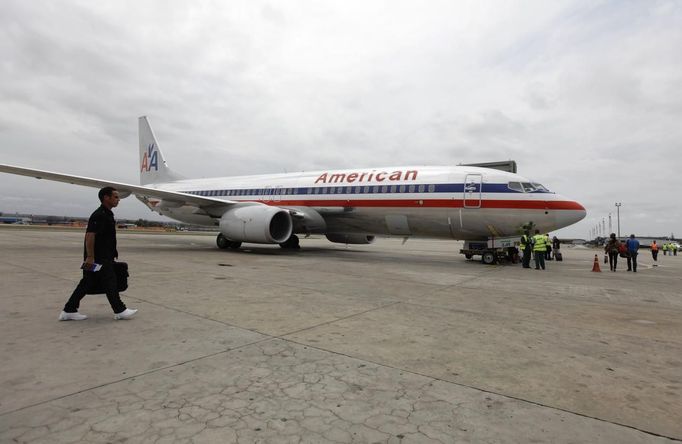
(224, 243)
(291, 243)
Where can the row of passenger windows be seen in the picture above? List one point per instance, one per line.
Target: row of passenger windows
(521, 187)
(320, 190)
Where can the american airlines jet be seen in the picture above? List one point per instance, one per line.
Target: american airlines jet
(347, 206)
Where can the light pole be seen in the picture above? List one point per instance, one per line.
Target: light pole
(610, 227)
(618, 204)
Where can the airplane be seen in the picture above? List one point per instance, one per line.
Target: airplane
(349, 206)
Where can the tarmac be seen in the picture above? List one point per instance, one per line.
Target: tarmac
(381, 343)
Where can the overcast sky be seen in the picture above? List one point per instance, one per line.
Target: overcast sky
(586, 96)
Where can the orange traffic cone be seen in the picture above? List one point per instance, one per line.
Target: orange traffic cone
(595, 266)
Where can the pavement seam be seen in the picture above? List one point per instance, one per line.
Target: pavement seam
(267, 337)
(138, 375)
(534, 320)
(434, 378)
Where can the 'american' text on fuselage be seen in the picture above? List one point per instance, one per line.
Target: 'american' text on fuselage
(367, 176)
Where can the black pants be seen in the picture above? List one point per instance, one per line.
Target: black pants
(654, 254)
(539, 257)
(107, 279)
(526, 256)
(632, 261)
(613, 260)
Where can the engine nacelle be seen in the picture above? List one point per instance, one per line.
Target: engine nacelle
(259, 224)
(343, 238)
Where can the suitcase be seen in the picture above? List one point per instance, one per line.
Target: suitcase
(121, 270)
(558, 256)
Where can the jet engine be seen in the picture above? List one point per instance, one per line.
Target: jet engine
(259, 224)
(343, 238)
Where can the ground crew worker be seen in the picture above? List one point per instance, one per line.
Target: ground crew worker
(675, 249)
(548, 244)
(539, 250)
(654, 252)
(665, 249)
(527, 248)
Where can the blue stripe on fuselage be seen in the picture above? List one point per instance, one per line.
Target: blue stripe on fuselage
(359, 189)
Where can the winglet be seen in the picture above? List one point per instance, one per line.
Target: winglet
(153, 167)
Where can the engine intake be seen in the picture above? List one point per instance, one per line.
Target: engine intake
(344, 238)
(261, 224)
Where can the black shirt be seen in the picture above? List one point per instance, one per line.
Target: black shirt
(102, 223)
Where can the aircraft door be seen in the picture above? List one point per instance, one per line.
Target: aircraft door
(473, 187)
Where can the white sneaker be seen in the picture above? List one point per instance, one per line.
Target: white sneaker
(125, 314)
(64, 316)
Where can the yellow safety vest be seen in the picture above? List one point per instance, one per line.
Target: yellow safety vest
(524, 242)
(540, 244)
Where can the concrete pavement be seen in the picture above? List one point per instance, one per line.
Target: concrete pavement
(334, 343)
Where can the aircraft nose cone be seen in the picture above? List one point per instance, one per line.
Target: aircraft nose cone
(573, 213)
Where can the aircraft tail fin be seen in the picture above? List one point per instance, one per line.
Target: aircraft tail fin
(153, 167)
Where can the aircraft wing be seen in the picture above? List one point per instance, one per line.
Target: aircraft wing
(212, 206)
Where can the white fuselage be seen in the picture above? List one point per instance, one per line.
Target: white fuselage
(458, 202)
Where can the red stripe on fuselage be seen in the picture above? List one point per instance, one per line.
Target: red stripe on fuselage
(429, 203)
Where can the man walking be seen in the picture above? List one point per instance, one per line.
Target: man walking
(632, 245)
(539, 250)
(654, 252)
(100, 248)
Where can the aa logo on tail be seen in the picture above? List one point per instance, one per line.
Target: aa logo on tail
(150, 159)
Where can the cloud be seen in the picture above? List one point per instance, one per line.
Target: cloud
(586, 97)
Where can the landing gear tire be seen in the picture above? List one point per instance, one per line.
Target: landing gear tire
(488, 258)
(224, 243)
(291, 243)
(468, 256)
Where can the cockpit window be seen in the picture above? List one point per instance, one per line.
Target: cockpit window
(516, 186)
(540, 187)
(528, 187)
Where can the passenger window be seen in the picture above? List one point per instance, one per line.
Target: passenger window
(402, 188)
(375, 189)
(421, 188)
(384, 188)
(411, 188)
(432, 188)
(392, 188)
